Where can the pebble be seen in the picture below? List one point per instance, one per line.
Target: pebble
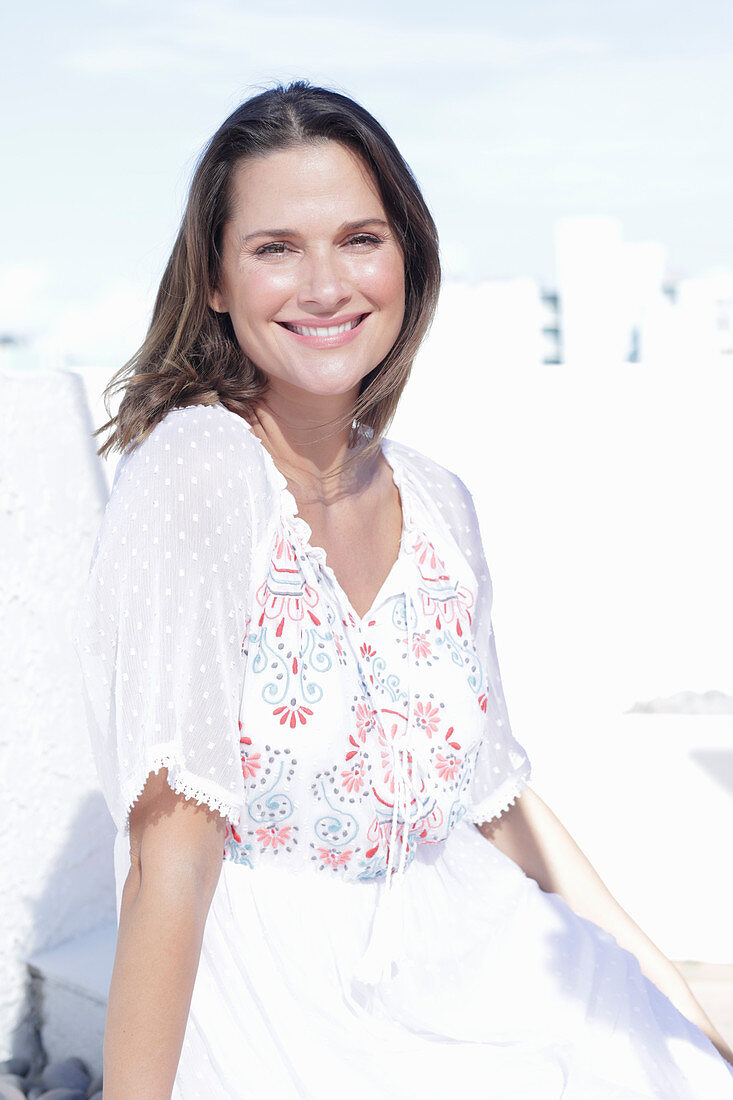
(13, 1079)
(67, 1079)
(80, 1064)
(65, 1075)
(9, 1091)
(65, 1094)
(21, 1066)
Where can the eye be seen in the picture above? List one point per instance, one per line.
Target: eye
(279, 248)
(275, 248)
(364, 238)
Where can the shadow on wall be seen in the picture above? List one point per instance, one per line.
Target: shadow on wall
(88, 841)
(718, 764)
(686, 702)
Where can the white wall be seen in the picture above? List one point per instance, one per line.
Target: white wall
(55, 831)
(604, 499)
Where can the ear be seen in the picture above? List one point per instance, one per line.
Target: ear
(216, 301)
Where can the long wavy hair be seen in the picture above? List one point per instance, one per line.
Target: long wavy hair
(191, 355)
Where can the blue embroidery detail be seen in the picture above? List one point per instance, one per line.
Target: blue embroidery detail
(266, 808)
(337, 828)
(238, 853)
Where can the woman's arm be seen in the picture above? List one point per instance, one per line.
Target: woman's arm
(530, 834)
(176, 855)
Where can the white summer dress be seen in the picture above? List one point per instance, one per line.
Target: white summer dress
(364, 939)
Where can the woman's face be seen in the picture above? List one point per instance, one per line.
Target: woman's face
(308, 247)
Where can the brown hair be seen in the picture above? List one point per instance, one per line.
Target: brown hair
(190, 355)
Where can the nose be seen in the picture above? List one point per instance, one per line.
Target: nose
(324, 287)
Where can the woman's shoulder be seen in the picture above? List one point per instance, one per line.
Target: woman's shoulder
(198, 433)
(200, 450)
(438, 482)
(199, 470)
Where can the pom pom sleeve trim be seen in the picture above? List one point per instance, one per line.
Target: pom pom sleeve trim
(501, 799)
(182, 782)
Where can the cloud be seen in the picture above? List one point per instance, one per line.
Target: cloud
(205, 34)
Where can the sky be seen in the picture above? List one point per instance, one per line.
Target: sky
(512, 116)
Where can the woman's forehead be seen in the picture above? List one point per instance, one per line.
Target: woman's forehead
(321, 178)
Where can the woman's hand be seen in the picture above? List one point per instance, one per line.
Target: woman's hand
(530, 834)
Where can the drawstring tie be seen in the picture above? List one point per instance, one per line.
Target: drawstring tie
(386, 942)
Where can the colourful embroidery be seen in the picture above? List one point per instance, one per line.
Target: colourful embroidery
(342, 692)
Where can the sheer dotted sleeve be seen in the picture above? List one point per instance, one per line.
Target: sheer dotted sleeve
(502, 767)
(159, 625)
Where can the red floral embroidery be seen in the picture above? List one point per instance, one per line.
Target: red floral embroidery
(292, 713)
(288, 604)
(449, 610)
(274, 835)
(427, 717)
(380, 833)
(332, 858)
(421, 645)
(353, 778)
(366, 720)
(453, 744)
(250, 760)
(453, 611)
(447, 766)
(430, 562)
(388, 761)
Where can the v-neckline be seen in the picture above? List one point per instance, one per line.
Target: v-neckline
(289, 507)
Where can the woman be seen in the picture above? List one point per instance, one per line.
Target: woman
(289, 662)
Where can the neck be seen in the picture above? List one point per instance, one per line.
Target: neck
(308, 447)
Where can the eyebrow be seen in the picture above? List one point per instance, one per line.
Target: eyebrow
(344, 227)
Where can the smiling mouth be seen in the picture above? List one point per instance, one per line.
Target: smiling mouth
(321, 330)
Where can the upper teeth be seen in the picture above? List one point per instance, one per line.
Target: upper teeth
(332, 330)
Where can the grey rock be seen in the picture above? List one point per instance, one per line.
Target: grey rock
(21, 1066)
(35, 1091)
(95, 1087)
(80, 1064)
(64, 1094)
(9, 1091)
(65, 1075)
(14, 1079)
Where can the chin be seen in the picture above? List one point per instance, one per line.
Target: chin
(333, 385)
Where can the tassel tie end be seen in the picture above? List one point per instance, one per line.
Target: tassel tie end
(387, 939)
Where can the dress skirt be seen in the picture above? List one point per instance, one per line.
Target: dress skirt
(503, 992)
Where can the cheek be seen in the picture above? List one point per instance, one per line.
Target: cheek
(385, 282)
(261, 294)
